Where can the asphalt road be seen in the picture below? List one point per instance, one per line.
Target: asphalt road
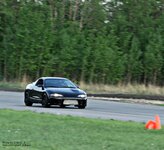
(95, 109)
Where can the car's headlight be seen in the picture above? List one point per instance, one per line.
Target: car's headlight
(82, 96)
(57, 95)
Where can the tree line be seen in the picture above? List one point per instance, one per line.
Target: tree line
(96, 41)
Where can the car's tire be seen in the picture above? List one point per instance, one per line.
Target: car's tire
(27, 99)
(81, 106)
(61, 105)
(45, 101)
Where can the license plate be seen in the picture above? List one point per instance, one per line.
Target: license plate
(71, 102)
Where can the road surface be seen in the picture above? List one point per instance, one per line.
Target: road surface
(95, 109)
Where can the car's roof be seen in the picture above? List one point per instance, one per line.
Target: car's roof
(44, 78)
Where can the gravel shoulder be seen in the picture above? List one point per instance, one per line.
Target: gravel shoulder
(129, 100)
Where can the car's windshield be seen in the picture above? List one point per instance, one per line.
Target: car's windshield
(59, 83)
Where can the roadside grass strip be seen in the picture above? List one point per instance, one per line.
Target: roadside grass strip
(41, 131)
(139, 89)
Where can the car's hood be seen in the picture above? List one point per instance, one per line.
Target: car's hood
(67, 92)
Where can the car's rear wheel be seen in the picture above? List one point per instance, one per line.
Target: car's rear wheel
(45, 101)
(27, 99)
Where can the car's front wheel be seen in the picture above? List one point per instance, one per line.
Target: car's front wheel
(61, 104)
(27, 99)
(82, 104)
(81, 107)
(45, 101)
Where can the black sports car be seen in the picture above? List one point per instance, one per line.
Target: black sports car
(54, 91)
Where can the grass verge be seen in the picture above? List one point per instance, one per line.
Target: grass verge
(52, 132)
(139, 89)
(12, 85)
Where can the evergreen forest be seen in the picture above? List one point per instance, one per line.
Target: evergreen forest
(94, 41)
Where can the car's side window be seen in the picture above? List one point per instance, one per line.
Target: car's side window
(39, 82)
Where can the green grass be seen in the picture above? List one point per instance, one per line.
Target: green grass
(53, 132)
(160, 104)
(12, 85)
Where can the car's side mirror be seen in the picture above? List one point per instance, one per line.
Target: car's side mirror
(41, 85)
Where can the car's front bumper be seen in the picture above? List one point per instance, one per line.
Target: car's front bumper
(68, 100)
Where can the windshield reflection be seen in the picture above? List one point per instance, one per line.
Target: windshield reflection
(59, 83)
